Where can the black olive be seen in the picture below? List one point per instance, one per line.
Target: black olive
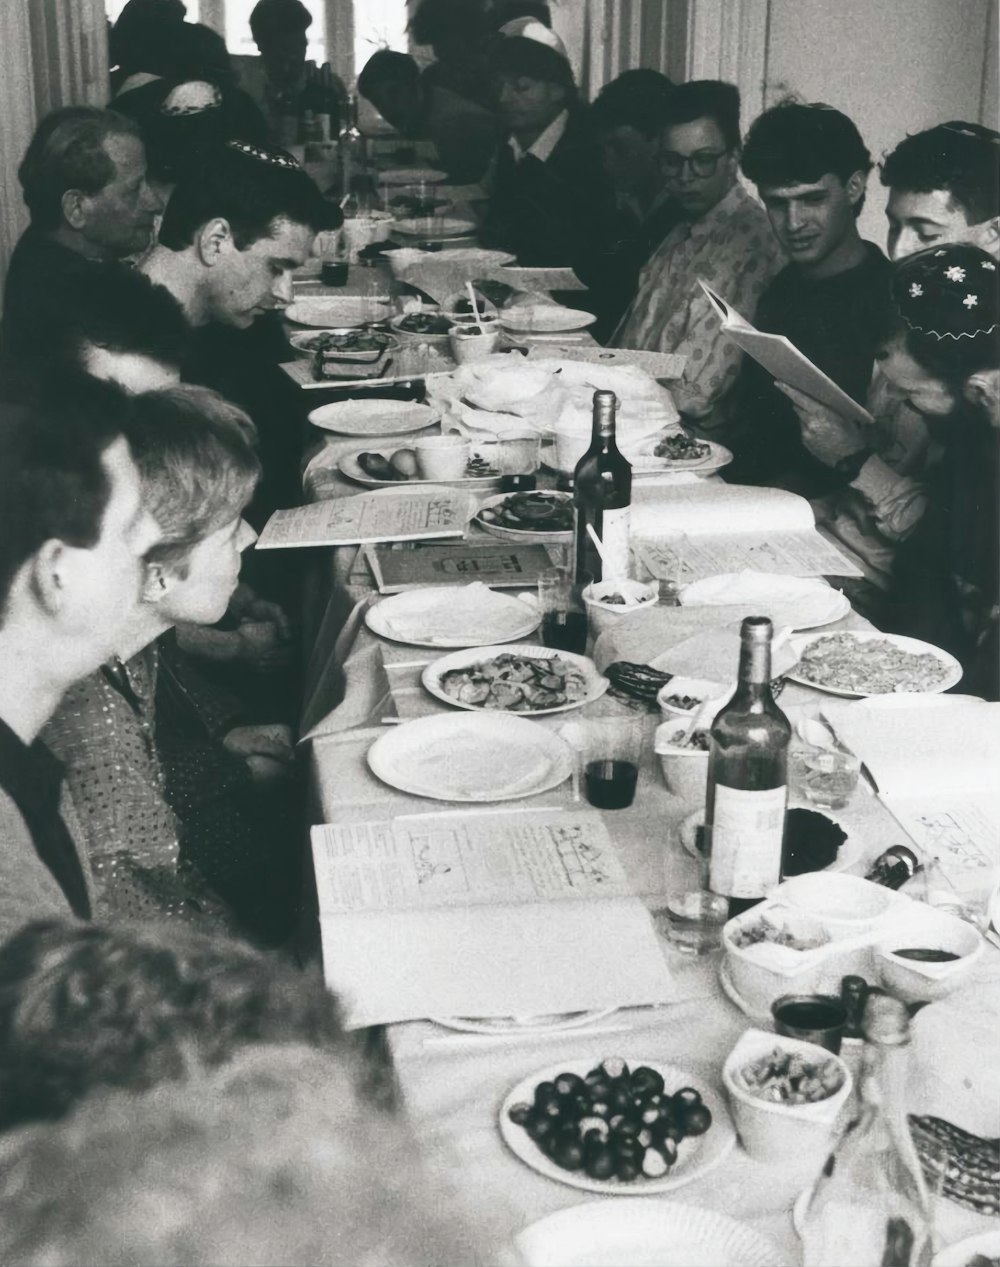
(627, 1128)
(569, 1154)
(540, 1128)
(619, 1098)
(569, 1084)
(628, 1168)
(646, 1081)
(520, 1113)
(600, 1088)
(697, 1119)
(601, 1163)
(687, 1095)
(669, 1150)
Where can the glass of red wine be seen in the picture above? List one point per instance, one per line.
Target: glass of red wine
(564, 616)
(610, 753)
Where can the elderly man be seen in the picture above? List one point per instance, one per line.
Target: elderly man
(724, 237)
(72, 536)
(944, 186)
(810, 167)
(84, 182)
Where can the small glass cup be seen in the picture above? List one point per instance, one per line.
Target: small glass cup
(828, 776)
(968, 894)
(564, 618)
(813, 1018)
(609, 754)
(693, 920)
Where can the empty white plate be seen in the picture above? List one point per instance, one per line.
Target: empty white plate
(453, 757)
(338, 310)
(373, 417)
(798, 602)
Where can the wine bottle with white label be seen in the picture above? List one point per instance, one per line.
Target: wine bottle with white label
(747, 779)
(602, 499)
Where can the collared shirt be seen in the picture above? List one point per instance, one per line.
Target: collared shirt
(32, 778)
(543, 145)
(733, 249)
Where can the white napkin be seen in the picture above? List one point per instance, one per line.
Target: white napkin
(472, 612)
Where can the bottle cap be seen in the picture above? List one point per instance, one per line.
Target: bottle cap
(886, 1020)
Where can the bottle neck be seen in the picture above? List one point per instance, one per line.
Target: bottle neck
(603, 435)
(754, 680)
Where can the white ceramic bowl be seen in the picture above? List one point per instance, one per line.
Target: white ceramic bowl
(764, 971)
(637, 594)
(435, 338)
(775, 1132)
(845, 903)
(697, 688)
(685, 770)
(917, 981)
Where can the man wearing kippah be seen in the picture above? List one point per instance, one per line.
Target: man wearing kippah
(551, 204)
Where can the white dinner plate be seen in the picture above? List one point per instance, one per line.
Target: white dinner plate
(528, 1025)
(911, 646)
(527, 536)
(349, 466)
(694, 1156)
(545, 319)
(345, 311)
(411, 176)
(453, 757)
(374, 417)
(798, 602)
(962, 1252)
(596, 683)
(654, 1233)
(646, 463)
(452, 616)
(480, 256)
(434, 228)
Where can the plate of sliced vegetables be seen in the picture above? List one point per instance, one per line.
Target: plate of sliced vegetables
(541, 516)
(515, 678)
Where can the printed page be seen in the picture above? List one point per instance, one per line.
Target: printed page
(468, 858)
(439, 512)
(783, 359)
(963, 835)
(717, 509)
(919, 747)
(691, 557)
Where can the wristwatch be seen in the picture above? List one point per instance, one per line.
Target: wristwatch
(850, 466)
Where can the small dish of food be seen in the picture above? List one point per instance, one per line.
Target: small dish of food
(927, 955)
(683, 760)
(683, 696)
(352, 344)
(515, 678)
(533, 516)
(860, 663)
(424, 326)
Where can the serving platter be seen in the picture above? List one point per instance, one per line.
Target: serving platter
(450, 617)
(695, 1156)
(374, 417)
(453, 757)
(343, 311)
(349, 466)
(645, 462)
(667, 1233)
(906, 646)
(434, 228)
(595, 683)
(412, 176)
(527, 536)
(551, 1023)
(545, 319)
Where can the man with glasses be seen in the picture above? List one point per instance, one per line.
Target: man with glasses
(724, 238)
(810, 167)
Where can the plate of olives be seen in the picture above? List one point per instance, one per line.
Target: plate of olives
(622, 1128)
(381, 468)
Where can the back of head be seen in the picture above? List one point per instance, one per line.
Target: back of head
(946, 307)
(798, 144)
(531, 56)
(504, 11)
(708, 99)
(636, 99)
(53, 484)
(441, 21)
(197, 463)
(142, 28)
(271, 19)
(272, 1159)
(247, 186)
(67, 152)
(384, 68)
(961, 158)
(84, 1007)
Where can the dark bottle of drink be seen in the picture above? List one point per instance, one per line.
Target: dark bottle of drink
(602, 498)
(747, 779)
(894, 867)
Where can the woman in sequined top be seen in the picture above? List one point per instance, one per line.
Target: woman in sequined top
(199, 469)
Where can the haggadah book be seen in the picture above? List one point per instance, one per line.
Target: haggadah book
(369, 517)
(399, 568)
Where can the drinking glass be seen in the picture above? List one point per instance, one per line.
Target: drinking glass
(693, 920)
(564, 618)
(609, 754)
(829, 776)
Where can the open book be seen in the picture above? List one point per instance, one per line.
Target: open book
(703, 530)
(499, 565)
(780, 357)
(481, 913)
(934, 760)
(369, 517)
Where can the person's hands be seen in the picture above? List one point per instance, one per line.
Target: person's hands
(268, 750)
(262, 645)
(829, 436)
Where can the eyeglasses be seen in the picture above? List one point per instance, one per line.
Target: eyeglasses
(702, 164)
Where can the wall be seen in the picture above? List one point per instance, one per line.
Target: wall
(895, 66)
